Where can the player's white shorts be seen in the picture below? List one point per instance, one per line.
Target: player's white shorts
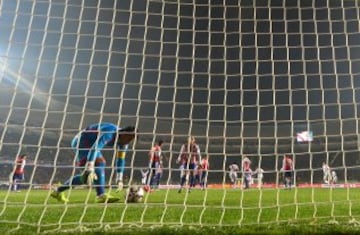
(233, 177)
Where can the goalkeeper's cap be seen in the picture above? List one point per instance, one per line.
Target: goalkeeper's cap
(128, 129)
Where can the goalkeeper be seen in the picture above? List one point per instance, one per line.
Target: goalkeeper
(87, 146)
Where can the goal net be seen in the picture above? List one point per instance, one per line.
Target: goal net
(256, 79)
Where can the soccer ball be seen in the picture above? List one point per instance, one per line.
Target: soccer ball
(135, 194)
(140, 192)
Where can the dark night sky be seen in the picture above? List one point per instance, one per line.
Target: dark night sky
(212, 68)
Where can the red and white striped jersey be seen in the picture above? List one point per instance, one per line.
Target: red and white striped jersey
(20, 165)
(189, 152)
(205, 164)
(287, 163)
(155, 154)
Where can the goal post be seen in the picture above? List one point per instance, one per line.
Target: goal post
(255, 79)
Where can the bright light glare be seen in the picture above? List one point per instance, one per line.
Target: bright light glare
(8, 74)
(2, 66)
(20, 82)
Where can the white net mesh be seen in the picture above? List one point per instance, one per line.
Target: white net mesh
(246, 78)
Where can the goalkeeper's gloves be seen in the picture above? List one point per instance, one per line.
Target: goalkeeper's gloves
(119, 181)
(89, 175)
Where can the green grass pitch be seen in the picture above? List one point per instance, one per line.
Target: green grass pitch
(213, 211)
